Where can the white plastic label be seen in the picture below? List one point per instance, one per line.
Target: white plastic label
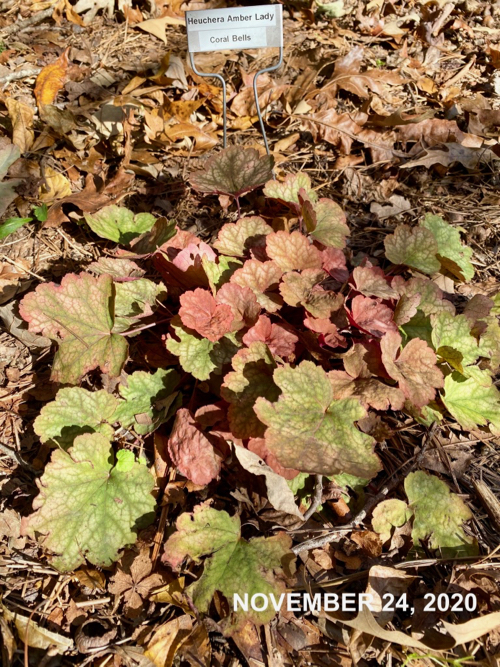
(242, 28)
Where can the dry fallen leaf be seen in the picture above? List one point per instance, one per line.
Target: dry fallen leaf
(51, 79)
(21, 116)
(55, 186)
(157, 27)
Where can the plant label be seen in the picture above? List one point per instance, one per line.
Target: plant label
(241, 28)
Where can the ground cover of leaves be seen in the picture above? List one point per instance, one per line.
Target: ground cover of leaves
(220, 379)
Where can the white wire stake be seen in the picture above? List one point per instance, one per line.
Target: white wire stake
(256, 27)
(221, 79)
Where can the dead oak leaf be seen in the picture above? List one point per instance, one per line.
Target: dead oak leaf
(200, 311)
(134, 581)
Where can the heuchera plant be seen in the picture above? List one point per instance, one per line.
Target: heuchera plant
(284, 349)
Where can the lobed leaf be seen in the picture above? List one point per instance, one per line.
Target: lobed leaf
(242, 302)
(82, 494)
(148, 397)
(288, 190)
(325, 222)
(454, 256)
(235, 566)
(191, 450)
(200, 311)
(453, 333)
(280, 340)
(372, 316)
(372, 281)
(233, 171)
(73, 412)
(388, 514)
(474, 400)
(252, 376)
(292, 251)
(78, 314)
(119, 224)
(236, 239)
(303, 289)
(415, 247)
(311, 431)
(439, 515)
(261, 278)
(414, 368)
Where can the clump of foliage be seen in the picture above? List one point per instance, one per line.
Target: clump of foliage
(278, 345)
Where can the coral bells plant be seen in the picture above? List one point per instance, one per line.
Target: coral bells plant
(281, 355)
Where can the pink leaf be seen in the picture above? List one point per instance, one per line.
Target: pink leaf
(372, 316)
(278, 339)
(199, 311)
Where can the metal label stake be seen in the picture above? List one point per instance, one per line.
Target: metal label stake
(241, 28)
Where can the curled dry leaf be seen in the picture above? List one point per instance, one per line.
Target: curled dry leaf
(192, 451)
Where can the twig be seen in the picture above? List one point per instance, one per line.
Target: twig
(15, 456)
(459, 75)
(20, 74)
(20, 266)
(17, 26)
(367, 509)
(316, 502)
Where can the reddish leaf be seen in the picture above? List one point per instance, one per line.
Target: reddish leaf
(233, 171)
(278, 339)
(258, 446)
(333, 261)
(292, 251)
(191, 451)
(184, 269)
(372, 316)
(261, 278)
(327, 330)
(414, 368)
(243, 304)
(199, 311)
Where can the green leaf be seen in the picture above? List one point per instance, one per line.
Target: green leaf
(11, 225)
(41, 212)
(233, 171)
(159, 234)
(310, 431)
(473, 401)
(78, 314)
(439, 515)
(328, 222)
(415, 247)
(388, 514)
(418, 327)
(198, 355)
(220, 272)
(252, 377)
(118, 224)
(288, 190)
(237, 238)
(87, 507)
(134, 300)
(454, 256)
(489, 343)
(453, 332)
(148, 397)
(235, 566)
(76, 411)
(125, 460)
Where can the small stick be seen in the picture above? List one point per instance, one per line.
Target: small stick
(21, 74)
(17, 26)
(316, 501)
(488, 500)
(20, 266)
